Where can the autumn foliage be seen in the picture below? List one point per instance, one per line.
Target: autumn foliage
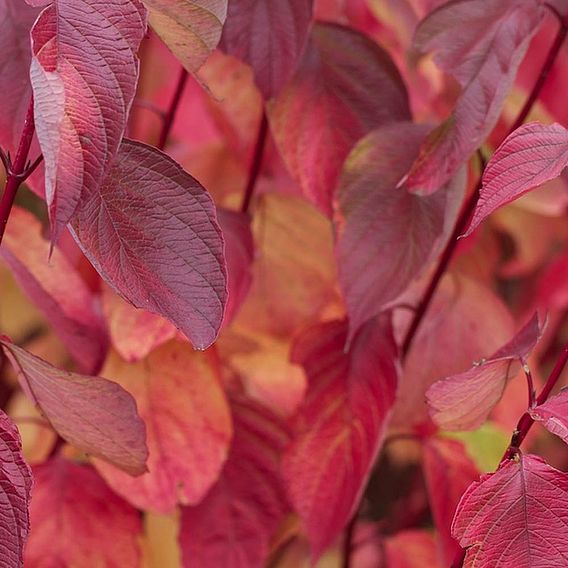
(283, 283)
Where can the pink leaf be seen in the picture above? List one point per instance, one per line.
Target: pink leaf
(78, 521)
(239, 254)
(179, 396)
(233, 525)
(339, 429)
(15, 488)
(68, 304)
(134, 333)
(451, 336)
(483, 56)
(385, 235)
(16, 20)
(190, 28)
(448, 472)
(151, 232)
(532, 155)
(84, 72)
(95, 415)
(351, 86)
(515, 517)
(553, 414)
(464, 401)
(274, 49)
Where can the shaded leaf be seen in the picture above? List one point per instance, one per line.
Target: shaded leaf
(351, 86)
(464, 401)
(553, 414)
(530, 156)
(95, 415)
(233, 525)
(68, 304)
(190, 28)
(275, 47)
(292, 285)
(448, 471)
(338, 431)
(188, 425)
(515, 517)
(385, 235)
(151, 232)
(78, 521)
(451, 336)
(84, 72)
(239, 255)
(483, 56)
(15, 488)
(134, 333)
(16, 20)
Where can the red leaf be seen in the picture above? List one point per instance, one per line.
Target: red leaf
(448, 471)
(188, 426)
(339, 429)
(15, 487)
(190, 28)
(464, 401)
(151, 232)
(16, 20)
(275, 47)
(95, 415)
(239, 254)
(515, 517)
(78, 521)
(553, 414)
(70, 307)
(135, 333)
(84, 72)
(483, 56)
(532, 155)
(233, 525)
(451, 336)
(376, 219)
(351, 86)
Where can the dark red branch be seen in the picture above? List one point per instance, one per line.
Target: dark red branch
(348, 542)
(441, 268)
(18, 170)
(544, 72)
(256, 162)
(172, 110)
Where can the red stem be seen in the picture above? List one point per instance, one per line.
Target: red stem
(172, 110)
(348, 542)
(470, 205)
(17, 171)
(441, 268)
(256, 162)
(525, 424)
(547, 66)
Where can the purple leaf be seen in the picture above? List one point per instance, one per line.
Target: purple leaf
(93, 414)
(16, 20)
(15, 488)
(84, 72)
(350, 86)
(530, 156)
(385, 235)
(275, 47)
(481, 43)
(151, 232)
